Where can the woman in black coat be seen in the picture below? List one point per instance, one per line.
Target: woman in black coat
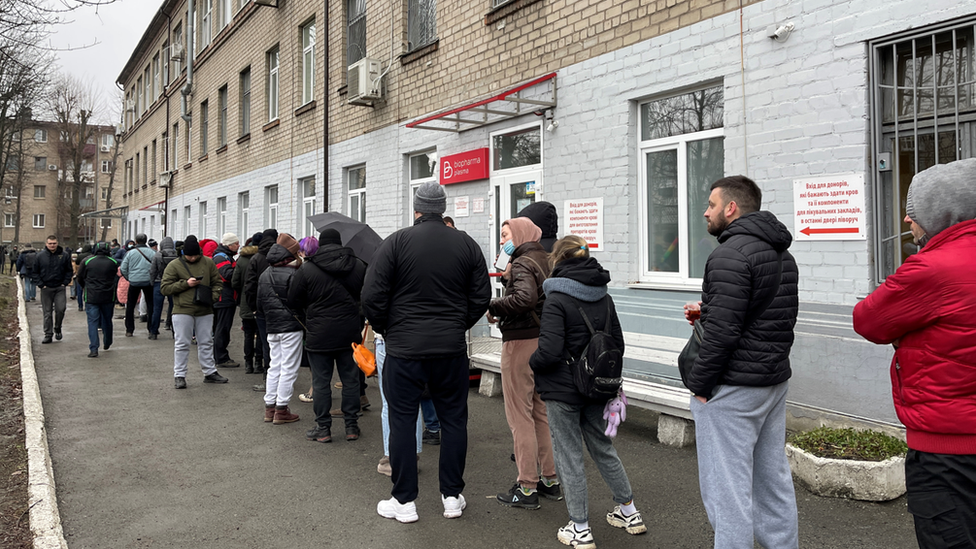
(578, 282)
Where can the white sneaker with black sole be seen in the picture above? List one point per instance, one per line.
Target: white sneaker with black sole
(568, 535)
(453, 507)
(634, 524)
(393, 509)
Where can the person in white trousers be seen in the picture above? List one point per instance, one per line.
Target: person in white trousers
(285, 329)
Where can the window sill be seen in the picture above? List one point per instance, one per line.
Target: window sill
(144, 186)
(310, 106)
(419, 53)
(343, 90)
(270, 125)
(502, 12)
(188, 166)
(153, 182)
(203, 158)
(135, 191)
(663, 285)
(244, 138)
(221, 150)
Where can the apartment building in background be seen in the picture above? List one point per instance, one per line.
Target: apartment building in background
(35, 175)
(620, 113)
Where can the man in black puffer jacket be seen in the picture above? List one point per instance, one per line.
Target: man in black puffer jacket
(328, 288)
(224, 308)
(98, 280)
(740, 378)
(426, 286)
(52, 272)
(255, 268)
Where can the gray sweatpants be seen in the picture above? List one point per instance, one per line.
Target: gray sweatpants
(184, 328)
(745, 479)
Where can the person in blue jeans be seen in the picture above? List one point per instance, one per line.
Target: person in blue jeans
(96, 278)
(167, 253)
(25, 264)
(432, 426)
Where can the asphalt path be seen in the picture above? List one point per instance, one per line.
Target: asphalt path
(139, 464)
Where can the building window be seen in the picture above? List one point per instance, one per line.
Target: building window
(423, 168)
(106, 223)
(38, 221)
(108, 140)
(202, 227)
(135, 172)
(188, 140)
(106, 166)
(165, 152)
(139, 104)
(681, 154)
(225, 13)
(206, 6)
(8, 192)
(222, 116)
(156, 88)
(13, 163)
(165, 63)
(149, 97)
(8, 220)
(176, 139)
(356, 30)
(155, 165)
(40, 191)
(172, 220)
(245, 105)
(517, 149)
(186, 222)
(923, 114)
(40, 135)
(104, 195)
(421, 23)
(221, 216)
(272, 85)
(244, 214)
(308, 62)
(204, 126)
(40, 163)
(306, 187)
(145, 165)
(271, 199)
(178, 50)
(357, 193)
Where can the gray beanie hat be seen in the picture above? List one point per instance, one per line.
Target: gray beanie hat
(942, 196)
(430, 198)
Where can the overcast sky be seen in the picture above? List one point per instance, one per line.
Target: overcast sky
(115, 29)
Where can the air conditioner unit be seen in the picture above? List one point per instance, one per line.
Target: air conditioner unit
(164, 179)
(364, 82)
(176, 51)
(52, 167)
(130, 105)
(105, 148)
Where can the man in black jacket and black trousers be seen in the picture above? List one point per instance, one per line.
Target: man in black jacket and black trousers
(426, 286)
(52, 272)
(97, 279)
(257, 266)
(224, 308)
(739, 380)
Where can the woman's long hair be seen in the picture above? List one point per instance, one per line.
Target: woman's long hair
(568, 247)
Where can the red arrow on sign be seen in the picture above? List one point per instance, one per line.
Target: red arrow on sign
(840, 230)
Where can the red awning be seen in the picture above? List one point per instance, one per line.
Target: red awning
(506, 105)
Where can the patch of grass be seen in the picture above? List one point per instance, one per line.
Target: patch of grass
(827, 442)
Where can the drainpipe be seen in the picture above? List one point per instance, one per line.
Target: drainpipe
(168, 148)
(325, 125)
(188, 87)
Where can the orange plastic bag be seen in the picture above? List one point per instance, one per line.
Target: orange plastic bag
(364, 357)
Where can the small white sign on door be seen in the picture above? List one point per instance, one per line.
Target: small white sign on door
(461, 206)
(584, 218)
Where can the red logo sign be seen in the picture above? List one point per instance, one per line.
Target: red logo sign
(466, 166)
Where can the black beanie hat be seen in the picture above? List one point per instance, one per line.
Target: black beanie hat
(270, 233)
(256, 239)
(330, 236)
(191, 246)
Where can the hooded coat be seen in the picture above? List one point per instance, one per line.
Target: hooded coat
(328, 288)
(224, 260)
(237, 280)
(739, 275)
(520, 309)
(272, 295)
(257, 266)
(579, 283)
(97, 276)
(167, 253)
(25, 261)
(544, 215)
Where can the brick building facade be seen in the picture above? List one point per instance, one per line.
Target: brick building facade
(634, 108)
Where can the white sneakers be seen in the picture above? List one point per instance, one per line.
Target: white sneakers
(407, 512)
(393, 509)
(568, 535)
(453, 506)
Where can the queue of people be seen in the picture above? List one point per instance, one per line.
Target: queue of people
(426, 285)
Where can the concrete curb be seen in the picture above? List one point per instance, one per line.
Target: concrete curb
(45, 520)
(844, 478)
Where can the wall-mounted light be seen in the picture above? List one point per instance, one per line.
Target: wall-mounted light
(780, 33)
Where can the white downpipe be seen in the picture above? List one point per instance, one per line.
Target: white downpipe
(188, 87)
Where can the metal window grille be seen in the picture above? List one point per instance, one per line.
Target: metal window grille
(422, 23)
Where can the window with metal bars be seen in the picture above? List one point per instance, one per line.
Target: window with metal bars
(356, 30)
(421, 23)
(923, 113)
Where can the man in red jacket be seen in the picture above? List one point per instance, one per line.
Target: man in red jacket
(927, 311)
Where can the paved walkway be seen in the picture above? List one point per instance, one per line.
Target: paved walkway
(139, 464)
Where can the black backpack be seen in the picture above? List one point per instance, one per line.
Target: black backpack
(597, 371)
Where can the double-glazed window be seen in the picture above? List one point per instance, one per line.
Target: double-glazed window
(355, 30)
(156, 88)
(106, 166)
(40, 191)
(423, 168)
(202, 226)
(40, 136)
(222, 116)
(38, 222)
(245, 103)
(681, 154)
(308, 62)
(40, 163)
(271, 211)
(307, 187)
(356, 178)
(206, 8)
(221, 215)
(421, 23)
(272, 84)
(204, 126)
(923, 114)
(186, 222)
(8, 219)
(244, 213)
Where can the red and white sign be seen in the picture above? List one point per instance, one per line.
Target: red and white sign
(478, 205)
(584, 218)
(466, 166)
(461, 206)
(829, 208)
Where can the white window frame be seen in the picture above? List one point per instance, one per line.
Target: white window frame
(274, 63)
(414, 183)
(106, 166)
(680, 279)
(222, 116)
(225, 13)
(245, 105)
(38, 221)
(271, 211)
(42, 194)
(206, 31)
(104, 195)
(187, 217)
(8, 219)
(418, 34)
(244, 213)
(359, 194)
(204, 127)
(221, 216)
(308, 62)
(40, 135)
(305, 227)
(157, 89)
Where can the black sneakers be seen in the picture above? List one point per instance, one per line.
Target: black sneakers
(46, 340)
(57, 334)
(180, 383)
(319, 434)
(550, 492)
(516, 497)
(214, 378)
(93, 354)
(432, 437)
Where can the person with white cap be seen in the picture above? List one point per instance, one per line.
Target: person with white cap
(426, 286)
(927, 312)
(225, 307)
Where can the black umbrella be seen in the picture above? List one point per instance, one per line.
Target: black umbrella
(356, 235)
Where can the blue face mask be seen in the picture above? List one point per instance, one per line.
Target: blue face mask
(509, 247)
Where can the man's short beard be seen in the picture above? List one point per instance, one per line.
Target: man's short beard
(721, 223)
